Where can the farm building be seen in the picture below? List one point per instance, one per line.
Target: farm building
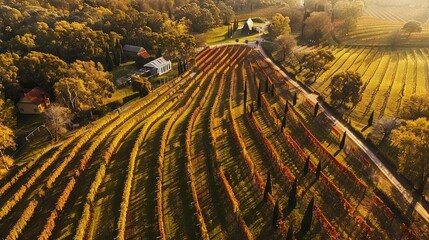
(158, 66)
(134, 52)
(248, 27)
(34, 102)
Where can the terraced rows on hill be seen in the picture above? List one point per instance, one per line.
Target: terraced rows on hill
(190, 161)
(388, 76)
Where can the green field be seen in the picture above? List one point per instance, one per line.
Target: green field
(186, 162)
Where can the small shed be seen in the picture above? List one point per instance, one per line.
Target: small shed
(158, 66)
(34, 101)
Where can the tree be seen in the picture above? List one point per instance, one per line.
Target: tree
(318, 170)
(371, 119)
(308, 217)
(284, 122)
(9, 75)
(272, 90)
(316, 63)
(343, 140)
(286, 107)
(318, 27)
(245, 96)
(289, 235)
(411, 140)
(7, 141)
(141, 84)
(307, 163)
(345, 88)
(70, 92)
(316, 109)
(7, 111)
(56, 119)
(415, 106)
(286, 45)
(259, 103)
(201, 18)
(276, 214)
(96, 81)
(41, 69)
(268, 188)
(294, 99)
(412, 26)
(279, 26)
(292, 195)
(108, 61)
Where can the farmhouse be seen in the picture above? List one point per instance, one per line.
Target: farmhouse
(158, 66)
(34, 102)
(134, 52)
(248, 27)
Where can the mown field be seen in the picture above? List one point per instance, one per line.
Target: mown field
(190, 161)
(388, 77)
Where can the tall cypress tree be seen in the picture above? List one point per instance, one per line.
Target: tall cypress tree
(343, 140)
(307, 163)
(259, 96)
(268, 188)
(308, 217)
(276, 214)
(294, 99)
(316, 109)
(292, 195)
(318, 170)
(245, 95)
(289, 235)
(179, 67)
(284, 122)
(159, 52)
(108, 60)
(371, 119)
(287, 107)
(272, 90)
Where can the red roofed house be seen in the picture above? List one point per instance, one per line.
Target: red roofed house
(34, 102)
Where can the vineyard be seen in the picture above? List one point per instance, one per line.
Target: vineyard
(397, 14)
(191, 160)
(388, 77)
(378, 24)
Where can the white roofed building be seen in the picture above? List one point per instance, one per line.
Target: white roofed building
(159, 66)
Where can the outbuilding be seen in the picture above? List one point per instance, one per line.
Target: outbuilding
(158, 66)
(134, 52)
